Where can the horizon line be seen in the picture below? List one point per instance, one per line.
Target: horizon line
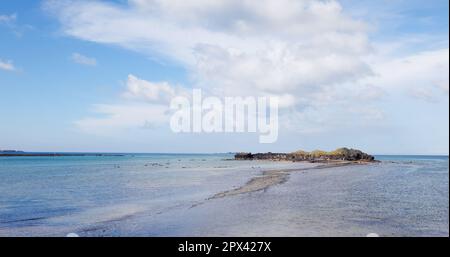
(226, 152)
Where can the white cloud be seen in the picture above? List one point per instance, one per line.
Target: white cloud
(117, 118)
(140, 89)
(147, 105)
(423, 94)
(418, 74)
(84, 60)
(312, 55)
(8, 19)
(10, 22)
(233, 47)
(443, 85)
(7, 65)
(370, 92)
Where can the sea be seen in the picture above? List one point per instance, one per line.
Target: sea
(171, 195)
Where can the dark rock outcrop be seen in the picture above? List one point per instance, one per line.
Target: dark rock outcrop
(261, 156)
(341, 154)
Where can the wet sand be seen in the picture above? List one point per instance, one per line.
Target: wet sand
(275, 177)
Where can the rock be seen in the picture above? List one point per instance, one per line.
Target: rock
(243, 156)
(341, 154)
(260, 156)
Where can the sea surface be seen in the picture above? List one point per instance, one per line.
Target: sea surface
(170, 195)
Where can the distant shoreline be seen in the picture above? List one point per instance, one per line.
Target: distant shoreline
(55, 154)
(119, 154)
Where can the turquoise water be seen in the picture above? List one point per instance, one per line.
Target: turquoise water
(165, 195)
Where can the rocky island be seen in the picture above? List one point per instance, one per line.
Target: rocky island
(341, 154)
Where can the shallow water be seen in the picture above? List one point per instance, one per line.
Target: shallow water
(165, 195)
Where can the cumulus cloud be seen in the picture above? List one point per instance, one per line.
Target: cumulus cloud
(152, 92)
(418, 74)
(7, 65)
(115, 118)
(233, 47)
(311, 54)
(146, 106)
(84, 60)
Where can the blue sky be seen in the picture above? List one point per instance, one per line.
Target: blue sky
(66, 67)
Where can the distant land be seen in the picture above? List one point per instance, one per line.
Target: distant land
(10, 151)
(16, 153)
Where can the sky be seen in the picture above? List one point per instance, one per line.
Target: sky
(97, 76)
